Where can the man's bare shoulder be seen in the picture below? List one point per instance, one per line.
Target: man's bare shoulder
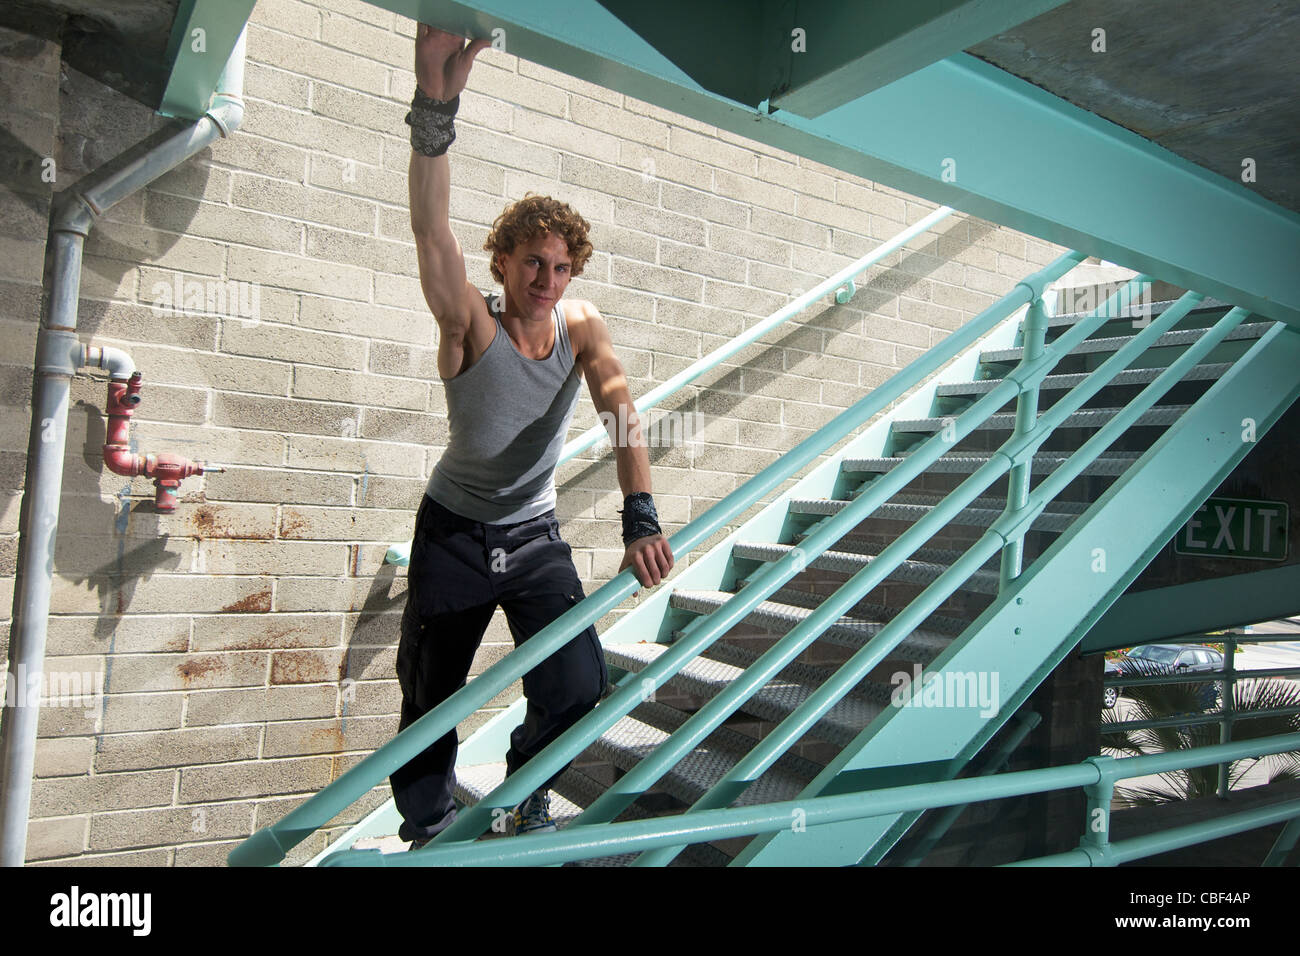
(579, 310)
(585, 323)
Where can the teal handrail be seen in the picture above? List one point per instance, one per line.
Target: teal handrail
(724, 823)
(400, 554)
(700, 635)
(270, 844)
(715, 711)
(1010, 526)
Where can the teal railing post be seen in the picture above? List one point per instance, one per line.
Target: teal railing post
(1035, 337)
(1096, 823)
(1227, 708)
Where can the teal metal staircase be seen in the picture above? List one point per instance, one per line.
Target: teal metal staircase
(969, 539)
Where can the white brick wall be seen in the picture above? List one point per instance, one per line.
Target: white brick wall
(228, 631)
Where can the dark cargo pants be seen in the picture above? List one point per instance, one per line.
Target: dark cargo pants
(460, 571)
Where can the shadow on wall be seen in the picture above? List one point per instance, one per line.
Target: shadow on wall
(377, 626)
(95, 128)
(122, 566)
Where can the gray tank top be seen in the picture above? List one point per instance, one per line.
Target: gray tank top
(508, 417)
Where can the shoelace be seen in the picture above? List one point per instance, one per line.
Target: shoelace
(537, 808)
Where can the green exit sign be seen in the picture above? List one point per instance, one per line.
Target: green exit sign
(1235, 528)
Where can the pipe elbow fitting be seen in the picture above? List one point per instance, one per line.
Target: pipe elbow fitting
(227, 113)
(120, 461)
(117, 363)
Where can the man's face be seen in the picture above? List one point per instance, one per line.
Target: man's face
(536, 275)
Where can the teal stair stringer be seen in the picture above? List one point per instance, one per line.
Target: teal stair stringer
(1031, 627)
(655, 620)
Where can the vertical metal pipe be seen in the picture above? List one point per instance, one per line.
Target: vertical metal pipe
(1035, 336)
(58, 356)
(55, 364)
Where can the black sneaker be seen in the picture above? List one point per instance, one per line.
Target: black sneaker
(533, 815)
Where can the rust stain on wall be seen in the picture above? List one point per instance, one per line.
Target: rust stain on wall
(207, 524)
(291, 523)
(326, 739)
(300, 667)
(258, 601)
(198, 667)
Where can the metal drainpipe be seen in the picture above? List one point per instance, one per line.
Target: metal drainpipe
(58, 356)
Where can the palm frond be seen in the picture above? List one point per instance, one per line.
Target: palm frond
(1160, 701)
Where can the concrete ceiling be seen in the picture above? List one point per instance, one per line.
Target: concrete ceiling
(122, 43)
(1214, 82)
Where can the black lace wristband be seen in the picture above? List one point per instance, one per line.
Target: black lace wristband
(639, 517)
(432, 123)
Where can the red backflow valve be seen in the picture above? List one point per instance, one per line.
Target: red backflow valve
(166, 470)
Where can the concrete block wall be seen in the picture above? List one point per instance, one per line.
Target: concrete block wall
(268, 291)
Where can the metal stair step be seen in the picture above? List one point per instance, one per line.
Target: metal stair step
(638, 735)
(573, 791)
(582, 790)
(781, 618)
(1132, 376)
(1110, 465)
(864, 544)
(1137, 310)
(980, 513)
(775, 700)
(1086, 418)
(476, 782)
(939, 630)
(1253, 330)
(910, 572)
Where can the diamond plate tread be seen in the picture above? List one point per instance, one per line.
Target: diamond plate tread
(939, 627)
(582, 790)
(1110, 465)
(1134, 311)
(909, 572)
(670, 719)
(1067, 508)
(865, 544)
(873, 695)
(1087, 418)
(854, 632)
(980, 514)
(775, 700)
(1253, 330)
(476, 782)
(1132, 376)
(570, 793)
(632, 739)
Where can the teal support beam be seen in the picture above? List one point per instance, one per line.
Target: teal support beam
(203, 35)
(1284, 844)
(848, 49)
(1035, 337)
(1144, 617)
(1035, 623)
(990, 145)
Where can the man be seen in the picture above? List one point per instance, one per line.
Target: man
(486, 532)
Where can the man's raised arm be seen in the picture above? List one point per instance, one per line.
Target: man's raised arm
(442, 65)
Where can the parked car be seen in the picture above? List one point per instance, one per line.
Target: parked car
(1150, 660)
(1110, 695)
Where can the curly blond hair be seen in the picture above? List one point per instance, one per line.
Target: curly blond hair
(532, 216)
